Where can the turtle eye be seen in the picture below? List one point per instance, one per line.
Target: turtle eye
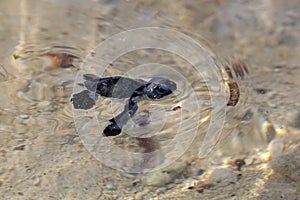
(161, 89)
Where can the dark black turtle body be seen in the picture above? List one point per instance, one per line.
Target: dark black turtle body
(121, 88)
(115, 87)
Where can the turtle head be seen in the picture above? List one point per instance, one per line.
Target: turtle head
(159, 87)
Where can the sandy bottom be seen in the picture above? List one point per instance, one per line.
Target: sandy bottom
(41, 153)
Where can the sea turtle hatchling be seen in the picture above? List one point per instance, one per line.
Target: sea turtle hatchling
(121, 88)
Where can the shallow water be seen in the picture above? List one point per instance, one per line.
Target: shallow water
(46, 46)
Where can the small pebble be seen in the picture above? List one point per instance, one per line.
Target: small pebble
(200, 172)
(161, 190)
(43, 104)
(176, 108)
(249, 161)
(247, 116)
(165, 176)
(59, 60)
(36, 181)
(267, 130)
(201, 188)
(158, 179)
(239, 163)
(19, 137)
(20, 193)
(261, 91)
(276, 147)
(20, 147)
(278, 68)
(293, 118)
(222, 175)
(288, 164)
(139, 196)
(24, 116)
(22, 95)
(110, 186)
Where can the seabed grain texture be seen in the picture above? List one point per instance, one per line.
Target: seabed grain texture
(41, 154)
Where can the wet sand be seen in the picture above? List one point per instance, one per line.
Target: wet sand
(41, 154)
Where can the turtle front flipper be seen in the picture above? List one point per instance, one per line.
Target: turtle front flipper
(117, 123)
